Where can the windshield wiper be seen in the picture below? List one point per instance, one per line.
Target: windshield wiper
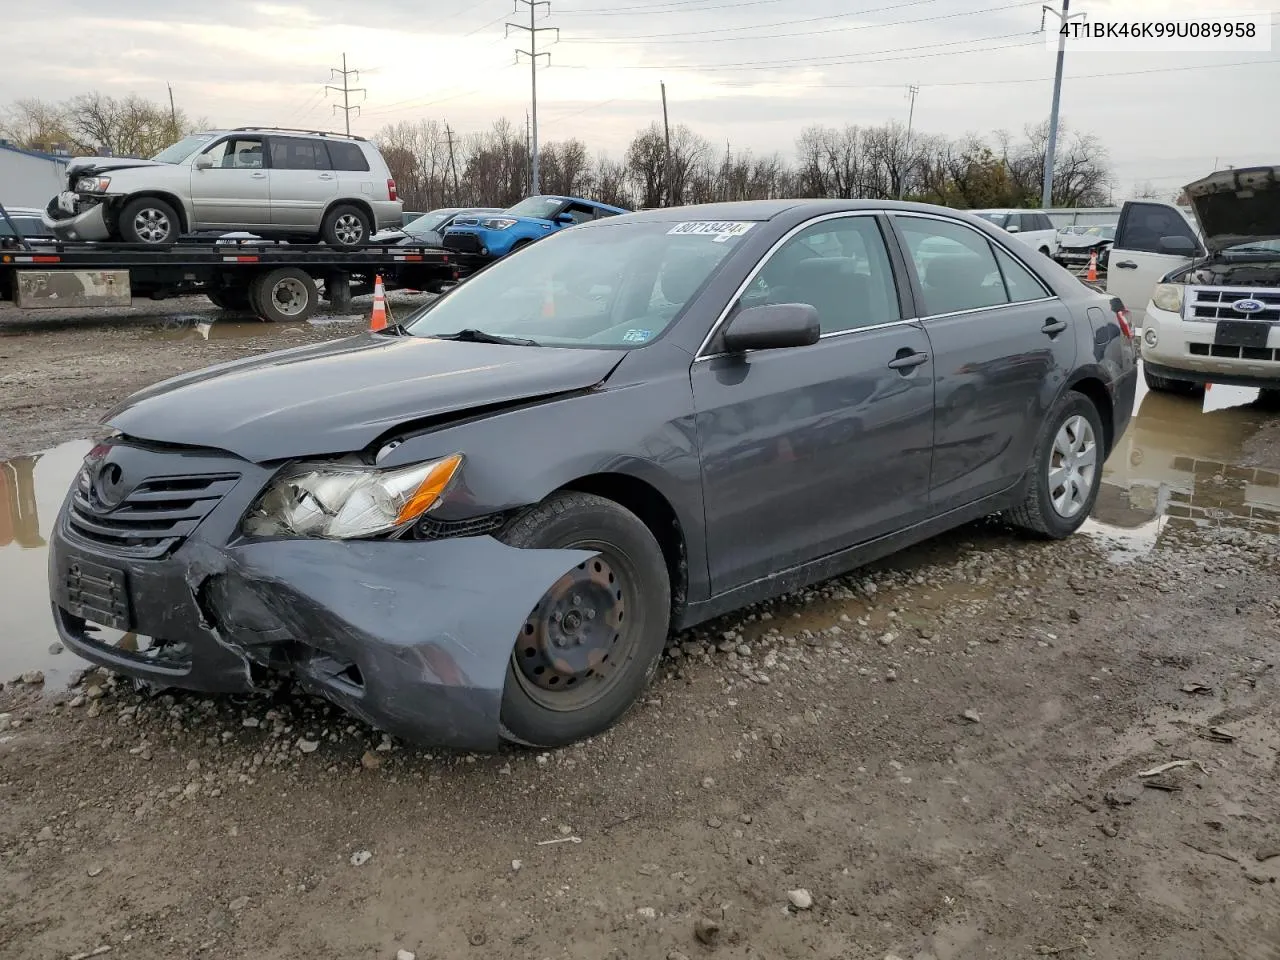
(471, 335)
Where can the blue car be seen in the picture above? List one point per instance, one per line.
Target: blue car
(529, 220)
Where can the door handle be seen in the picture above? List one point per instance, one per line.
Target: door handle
(907, 360)
(326, 176)
(1127, 265)
(1053, 327)
(259, 176)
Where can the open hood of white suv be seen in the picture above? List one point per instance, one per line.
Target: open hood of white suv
(1237, 206)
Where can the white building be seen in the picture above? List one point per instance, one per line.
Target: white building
(29, 179)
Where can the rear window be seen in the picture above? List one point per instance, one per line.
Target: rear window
(347, 156)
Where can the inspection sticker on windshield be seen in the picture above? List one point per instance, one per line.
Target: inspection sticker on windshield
(718, 230)
(637, 336)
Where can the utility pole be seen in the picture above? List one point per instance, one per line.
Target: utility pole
(533, 54)
(666, 156)
(1046, 195)
(346, 90)
(453, 167)
(528, 152)
(912, 90)
(173, 111)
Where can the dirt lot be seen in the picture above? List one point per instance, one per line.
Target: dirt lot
(942, 757)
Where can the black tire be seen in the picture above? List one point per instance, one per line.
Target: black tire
(150, 221)
(285, 295)
(1037, 514)
(630, 574)
(1186, 388)
(346, 226)
(233, 299)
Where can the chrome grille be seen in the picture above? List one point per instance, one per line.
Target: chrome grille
(153, 519)
(1214, 303)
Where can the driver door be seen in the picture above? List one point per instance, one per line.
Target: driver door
(236, 190)
(1136, 263)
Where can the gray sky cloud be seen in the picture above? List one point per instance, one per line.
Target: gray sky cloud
(752, 72)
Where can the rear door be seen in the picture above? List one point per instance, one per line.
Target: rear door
(302, 181)
(236, 190)
(809, 450)
(1002, 344)
(1136, 263)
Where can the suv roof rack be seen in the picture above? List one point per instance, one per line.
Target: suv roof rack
(315, 133)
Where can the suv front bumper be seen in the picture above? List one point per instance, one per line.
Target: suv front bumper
(88, 223)
(1186, 350)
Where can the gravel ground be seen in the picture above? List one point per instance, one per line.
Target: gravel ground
(984, 747)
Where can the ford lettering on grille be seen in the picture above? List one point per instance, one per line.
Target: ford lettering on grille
(1248, 305)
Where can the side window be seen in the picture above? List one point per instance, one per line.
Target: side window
(599, 213)
(237, 153)
(1019, 283)
(955, 265)
(1143, 224)
(347, 156)
(294, 153)
(840, 267)
(580, 212)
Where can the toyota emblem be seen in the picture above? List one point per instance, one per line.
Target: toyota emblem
(108, 485)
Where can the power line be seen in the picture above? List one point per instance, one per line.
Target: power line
(532, 53)
(346, 90)
(652, 8)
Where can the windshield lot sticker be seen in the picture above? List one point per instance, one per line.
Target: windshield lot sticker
(637, 336)
(718, 230)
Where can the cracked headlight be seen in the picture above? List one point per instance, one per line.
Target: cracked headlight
(93, 184)
(1168, 296)
(338, 501)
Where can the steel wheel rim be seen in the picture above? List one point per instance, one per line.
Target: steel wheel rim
(289, 296)
(348, 229)
(1073, 464)
(567, 666)
(152, 225)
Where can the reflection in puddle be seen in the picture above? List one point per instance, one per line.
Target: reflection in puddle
(31, 491)
(201, 328)
(1176, 465)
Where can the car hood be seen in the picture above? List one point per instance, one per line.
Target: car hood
(388, 236)
(341, 396)
(92, 166)
(1237, 206)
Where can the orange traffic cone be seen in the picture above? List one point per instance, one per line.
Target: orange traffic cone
(378, 321)
(1092, 275)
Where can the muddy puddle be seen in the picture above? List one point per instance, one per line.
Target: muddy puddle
(1178, 463)
(194, 328)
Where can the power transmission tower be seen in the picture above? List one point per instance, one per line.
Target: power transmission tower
(1046, 195)
(453, 168)
(532, 53)
(912, 90)
(346, 90)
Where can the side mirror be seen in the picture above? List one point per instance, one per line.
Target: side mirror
(203, 162)
(564, 218)
(1183, 246)
(772, 326)
(1013, 228)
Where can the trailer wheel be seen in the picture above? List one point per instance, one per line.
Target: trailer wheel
(345, 226)
(283, 295)
(234, 299)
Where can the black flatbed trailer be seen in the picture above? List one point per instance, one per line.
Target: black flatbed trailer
(273, 281)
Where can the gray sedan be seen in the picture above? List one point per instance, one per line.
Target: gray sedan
(482, 524)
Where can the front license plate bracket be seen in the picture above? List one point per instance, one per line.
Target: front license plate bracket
(97, 593)
(1241, 333)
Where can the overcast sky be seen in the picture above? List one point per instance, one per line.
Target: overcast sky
(753, 72)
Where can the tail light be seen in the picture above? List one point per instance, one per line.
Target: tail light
(391, 190)
(1122, 317)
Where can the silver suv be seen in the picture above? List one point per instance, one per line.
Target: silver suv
(292, 184)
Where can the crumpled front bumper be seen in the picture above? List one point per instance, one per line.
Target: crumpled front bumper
(414, 637)
(90, 223)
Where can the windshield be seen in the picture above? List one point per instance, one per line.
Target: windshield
(1256, 246)
(183, 148)
(428, 222)
(544, 208)
(28, 226)
(614, 286)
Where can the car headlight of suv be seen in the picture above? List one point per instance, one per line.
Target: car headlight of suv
(346, 501)
(499, 223)
(93, 184)
(1168, 297)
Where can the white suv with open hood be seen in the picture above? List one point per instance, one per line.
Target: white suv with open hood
(268, 181)
(1207, 298)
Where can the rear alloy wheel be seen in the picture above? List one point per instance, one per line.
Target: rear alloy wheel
(591, 644)
(1066, 472)
(1187, 388)
(284, 295)
(345, 226)
(150, 221)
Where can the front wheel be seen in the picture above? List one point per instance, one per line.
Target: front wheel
(150, 221)
(592, 643)
(1066, 472)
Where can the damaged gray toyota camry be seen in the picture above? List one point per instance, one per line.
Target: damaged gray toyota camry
(481, 524)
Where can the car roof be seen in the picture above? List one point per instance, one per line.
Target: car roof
(769, 209)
